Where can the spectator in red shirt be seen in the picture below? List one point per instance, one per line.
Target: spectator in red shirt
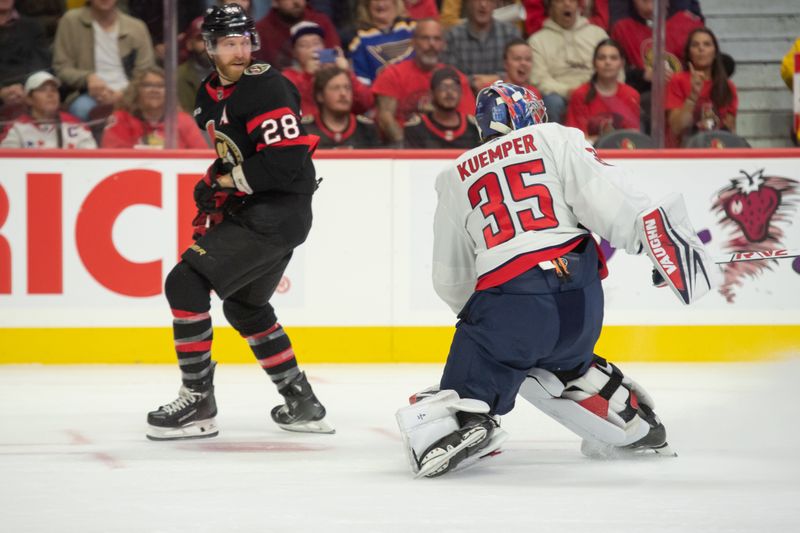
(702, 98)
(336, 125)
(404, 88)
(604, 104)
(139, 120)
(307, 42)
(274, 31)
(635, 34)
(518, 63)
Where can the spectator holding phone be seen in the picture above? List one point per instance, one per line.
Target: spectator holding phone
(604, 104)
(274, 31)
(383, 37)
(310, 57)
(336, 125)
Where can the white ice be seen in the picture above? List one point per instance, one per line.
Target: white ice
(73, 458)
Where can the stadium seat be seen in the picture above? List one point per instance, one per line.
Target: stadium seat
(716, 139)
(626, 140)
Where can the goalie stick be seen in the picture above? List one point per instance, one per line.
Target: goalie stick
(737, 257)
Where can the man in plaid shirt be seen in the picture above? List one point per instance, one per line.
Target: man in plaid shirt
(475, 47)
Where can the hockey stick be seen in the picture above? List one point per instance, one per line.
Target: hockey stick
(738, 257)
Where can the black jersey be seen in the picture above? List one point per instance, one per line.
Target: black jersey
(421, 131)
(360, 133)
(255, 126)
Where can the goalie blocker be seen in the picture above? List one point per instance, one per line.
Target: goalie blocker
(678, 256)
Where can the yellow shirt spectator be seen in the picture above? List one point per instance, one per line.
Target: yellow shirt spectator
(787, 66)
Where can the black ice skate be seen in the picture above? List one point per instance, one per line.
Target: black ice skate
(189, 416)
(478, 436)
(655, 441)
(302, 411)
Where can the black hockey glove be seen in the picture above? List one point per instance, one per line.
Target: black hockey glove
(208, 195)
(658, 279)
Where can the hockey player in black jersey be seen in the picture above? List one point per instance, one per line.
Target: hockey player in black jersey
(254, 208)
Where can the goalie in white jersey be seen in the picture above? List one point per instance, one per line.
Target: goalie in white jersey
(515, 259)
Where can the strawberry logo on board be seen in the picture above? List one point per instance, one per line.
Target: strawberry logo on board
(752, 205)
(753, 208)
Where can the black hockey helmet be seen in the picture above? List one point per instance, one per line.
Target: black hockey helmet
(229, 20)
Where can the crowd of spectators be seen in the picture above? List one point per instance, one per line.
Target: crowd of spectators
(370, 73)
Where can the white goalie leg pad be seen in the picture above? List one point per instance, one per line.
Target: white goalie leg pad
(546, 392)
(678, 255)
(431, 418)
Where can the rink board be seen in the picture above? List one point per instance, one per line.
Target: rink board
(87, 239)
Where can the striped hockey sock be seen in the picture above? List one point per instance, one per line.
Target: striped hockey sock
(193, 335)
(274, 352)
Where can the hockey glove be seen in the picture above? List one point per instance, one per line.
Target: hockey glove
(208, 195)
(204, 222)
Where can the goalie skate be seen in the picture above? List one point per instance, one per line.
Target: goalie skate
(654, 443)
(479, 437)
(302, 411)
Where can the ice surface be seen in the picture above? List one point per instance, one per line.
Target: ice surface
(73, 458)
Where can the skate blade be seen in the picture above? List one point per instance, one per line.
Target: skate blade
(598, 450)
(314, 426)
(435, 464)
(202, 429)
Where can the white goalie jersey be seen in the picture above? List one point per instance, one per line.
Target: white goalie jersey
(526, 197)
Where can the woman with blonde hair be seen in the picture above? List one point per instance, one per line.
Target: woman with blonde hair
(383, 37)
(138, 121)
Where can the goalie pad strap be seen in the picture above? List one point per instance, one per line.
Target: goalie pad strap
(580, 417)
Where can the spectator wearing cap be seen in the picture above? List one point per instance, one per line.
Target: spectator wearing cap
(562, 54)
(274, 30)
(476, 45)
(23, 49)
(518, 63)
(45, 125)
(383, 37)
(336, 125)
(139, 120)
(197, 66)
(405, 88)
(444, 126)
(308, 43)
(97, 50)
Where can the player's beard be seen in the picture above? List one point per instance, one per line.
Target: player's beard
(230, 73)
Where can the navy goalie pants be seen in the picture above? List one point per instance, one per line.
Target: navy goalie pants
(536, 320)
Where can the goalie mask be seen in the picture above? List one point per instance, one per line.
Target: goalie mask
(230, 20)
(504, 107)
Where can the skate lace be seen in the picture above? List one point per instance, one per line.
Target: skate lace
(185, 399)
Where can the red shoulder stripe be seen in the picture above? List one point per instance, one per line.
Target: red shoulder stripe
(254, 123)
